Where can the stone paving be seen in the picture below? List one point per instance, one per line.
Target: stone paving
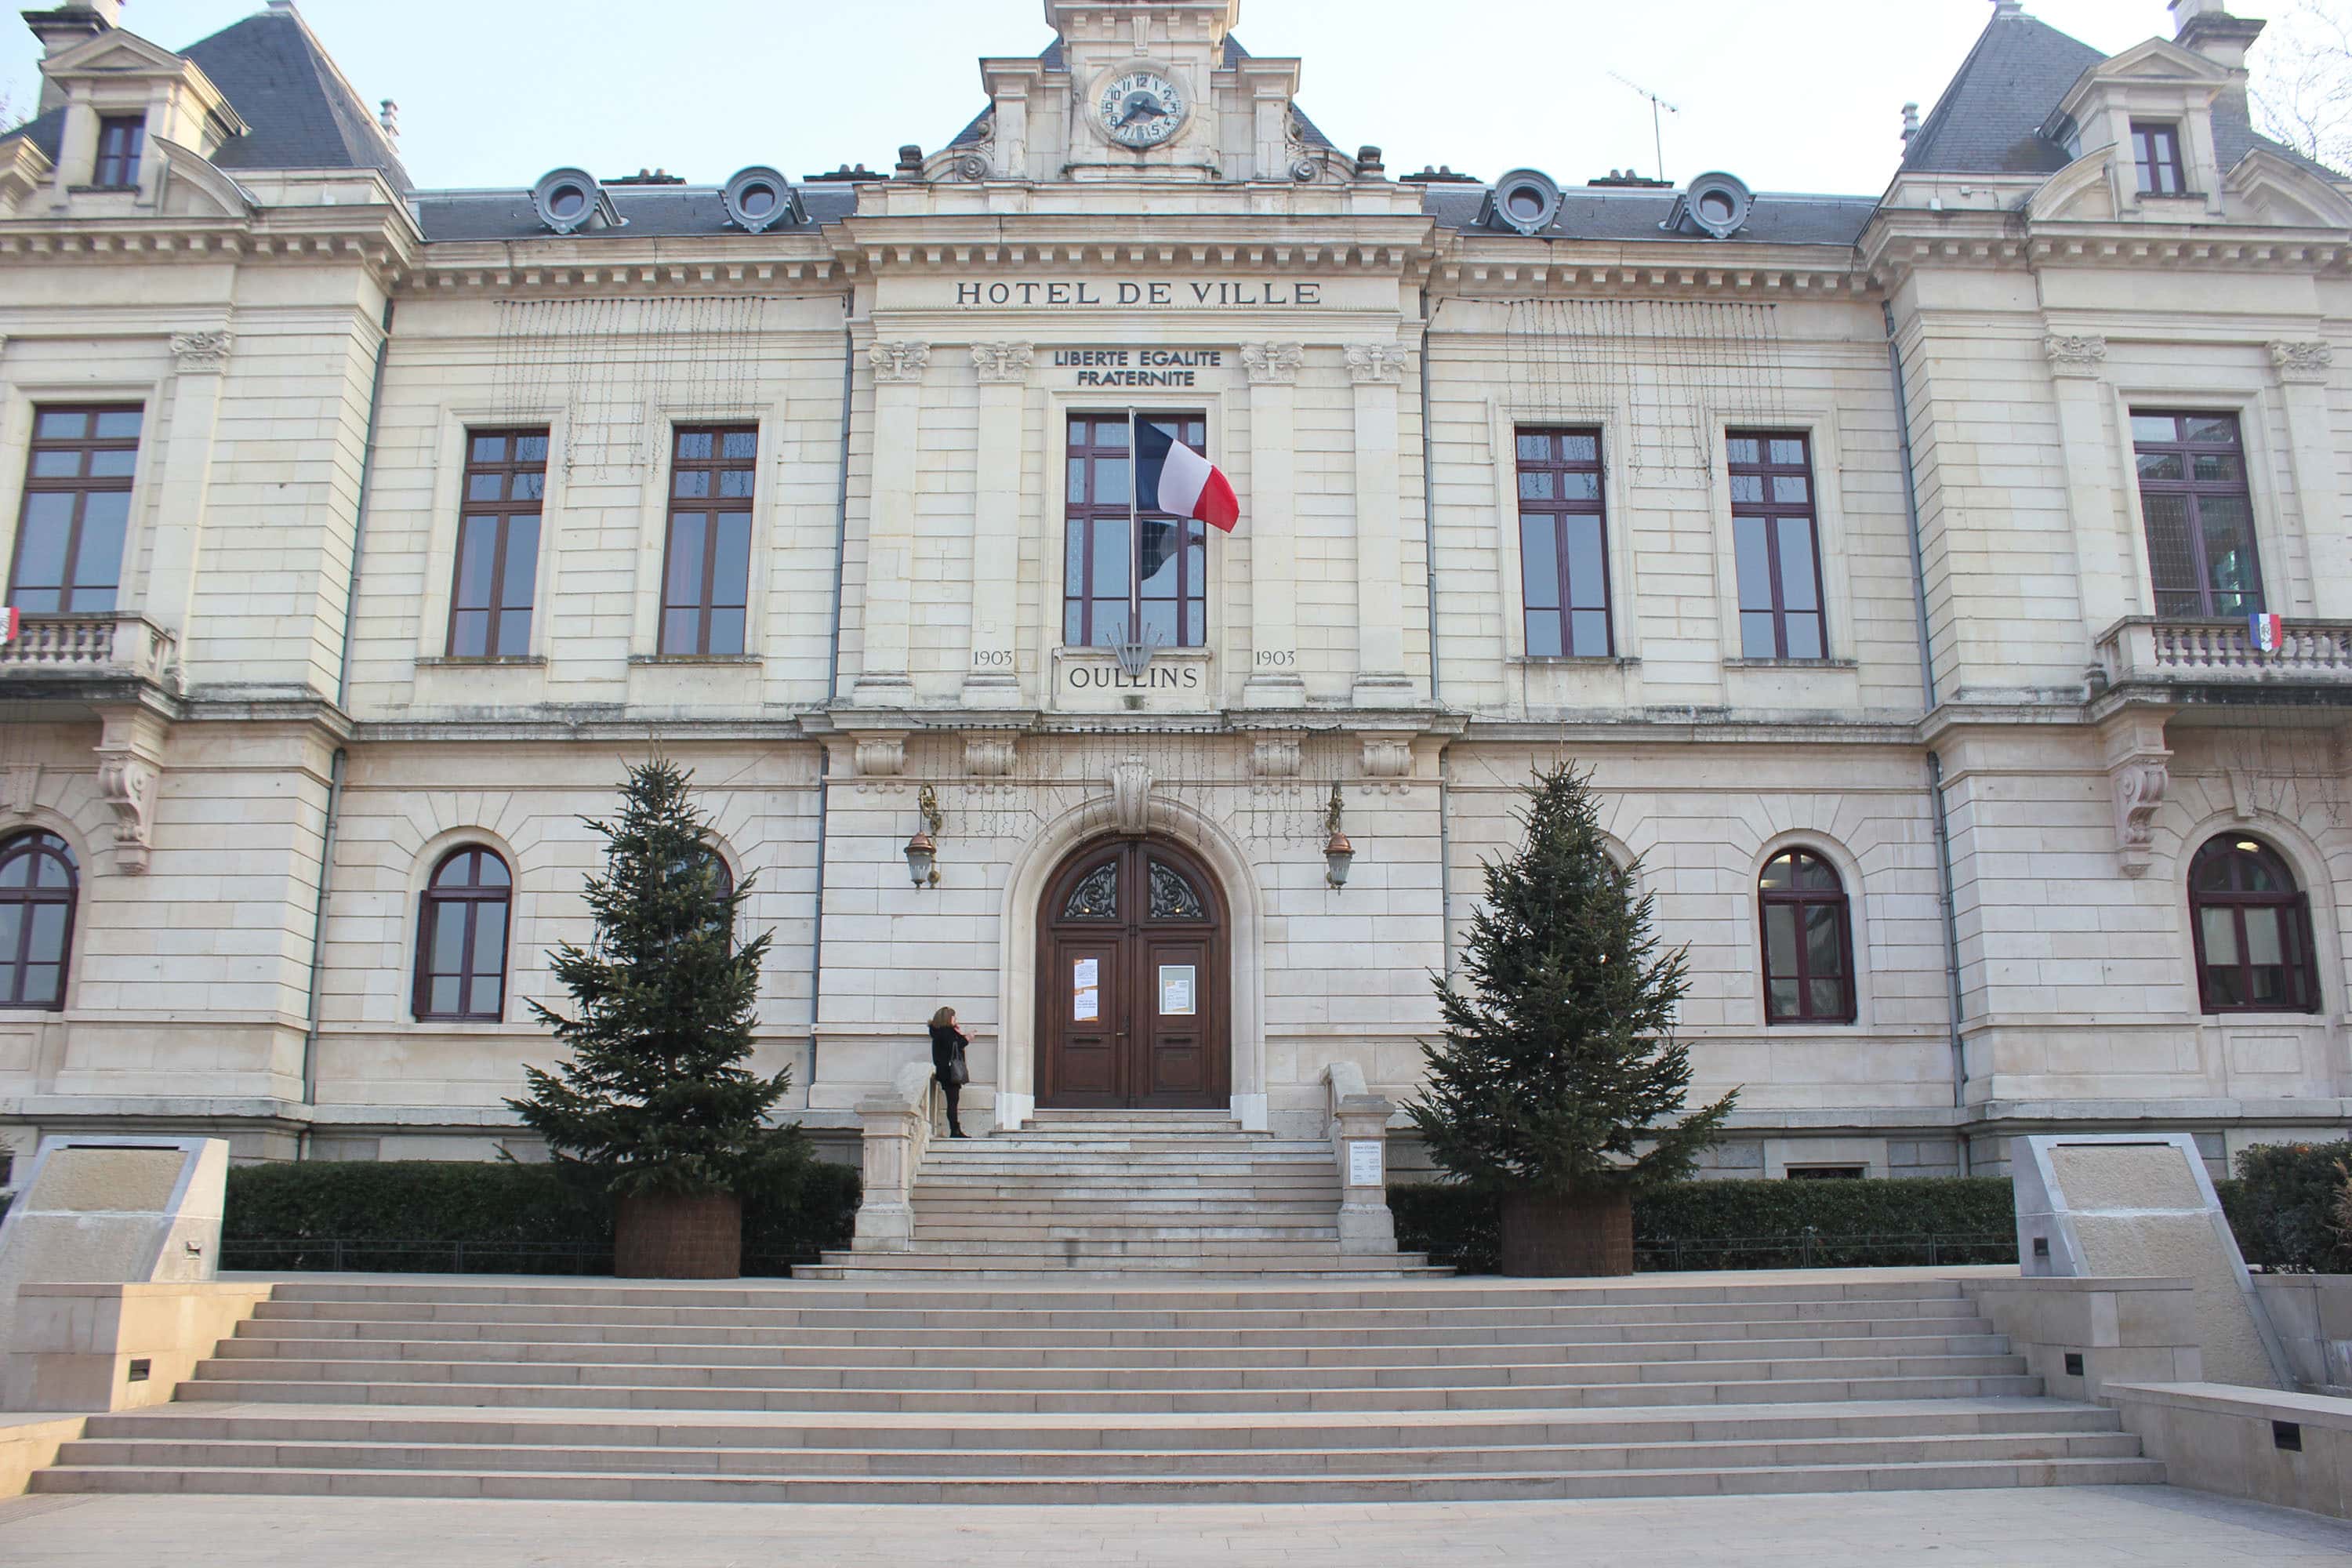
(2085, 1527)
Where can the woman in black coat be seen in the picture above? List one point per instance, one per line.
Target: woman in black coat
(948, 1066)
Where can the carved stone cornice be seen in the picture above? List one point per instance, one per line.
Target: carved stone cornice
(1004, 364)
(1273, 365)
(2075, 355)
(900, 362)
(2302, 362)
(1372, 363)
(202, 352)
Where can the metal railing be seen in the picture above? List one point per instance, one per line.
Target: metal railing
(349, 1255)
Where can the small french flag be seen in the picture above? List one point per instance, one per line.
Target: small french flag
(2269, 631)
(1186, 483)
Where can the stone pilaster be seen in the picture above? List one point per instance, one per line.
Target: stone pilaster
(2105, 559)
(1380, 676)
(2304, 370)
(883, 678)
(185, 477)
(1269, 514)
(991, 677)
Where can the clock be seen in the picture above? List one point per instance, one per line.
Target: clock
(1140, 108)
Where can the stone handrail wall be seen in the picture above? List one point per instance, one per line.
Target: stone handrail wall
(1359, 1122)
(89, 643)
(2144, 647)
(897, 1127)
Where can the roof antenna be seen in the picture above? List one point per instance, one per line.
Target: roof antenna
(1657, 124)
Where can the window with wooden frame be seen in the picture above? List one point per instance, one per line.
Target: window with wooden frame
(121, 139)
(38, 883)
(2252, 927)
(497, 543)
(2156, 149)
(1563, 545)
(76, 509)
(2199, 514)
(1808, 940)
(1130, 573)
(461, 937)
(1776, 543)
(706, 566)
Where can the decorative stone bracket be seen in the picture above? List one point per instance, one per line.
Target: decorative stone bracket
(1131, 797)
(129, 771)
(896, 1132)
(2138, 771)
(1360, 1134)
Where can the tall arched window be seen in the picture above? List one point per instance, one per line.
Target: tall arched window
(1808, 940)
(461, 937)
(38, 882)
(2253, 926)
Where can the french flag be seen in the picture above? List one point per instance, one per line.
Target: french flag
(2269, 631)
(1186, 483)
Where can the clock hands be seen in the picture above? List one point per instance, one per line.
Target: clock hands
(1141, 106)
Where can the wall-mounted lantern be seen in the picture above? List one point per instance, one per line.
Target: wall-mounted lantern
(1337, 853)
(923, 849)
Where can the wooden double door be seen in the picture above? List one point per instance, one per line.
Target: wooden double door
(1132, 989)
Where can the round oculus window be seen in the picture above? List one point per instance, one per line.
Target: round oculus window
(567, 201)
(1715, 207)
(1526, 202)
(757, 201)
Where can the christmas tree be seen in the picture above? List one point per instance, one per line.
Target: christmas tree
(1558, 1061)
(655, 1097)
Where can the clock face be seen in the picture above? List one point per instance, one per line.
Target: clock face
(1142, 108)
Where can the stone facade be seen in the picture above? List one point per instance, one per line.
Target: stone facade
(258, 757)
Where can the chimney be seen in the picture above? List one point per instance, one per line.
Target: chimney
(388, 116)
(2003, 9)
(2207, 27)
(1910, 123)
(72, 22)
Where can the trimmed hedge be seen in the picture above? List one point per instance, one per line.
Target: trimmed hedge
(435, 1215)
(1752, 1224)
(2281, 1206)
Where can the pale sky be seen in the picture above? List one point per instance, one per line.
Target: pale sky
(1790, 95)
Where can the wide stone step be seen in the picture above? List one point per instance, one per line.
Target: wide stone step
(632, 1352)
(1037, 1491)
(327, 1332)
(1157, 1240)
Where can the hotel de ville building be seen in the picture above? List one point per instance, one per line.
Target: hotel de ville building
(1948, 590)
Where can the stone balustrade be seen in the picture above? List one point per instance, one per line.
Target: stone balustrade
(2150, 649)
(111, 645)
(1359, 1131)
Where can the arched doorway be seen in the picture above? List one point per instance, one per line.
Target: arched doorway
(1132, 1005)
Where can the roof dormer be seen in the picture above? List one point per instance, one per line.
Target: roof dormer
(2149, 113)
(120, 96)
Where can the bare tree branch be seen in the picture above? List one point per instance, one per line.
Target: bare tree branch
(2302, 91)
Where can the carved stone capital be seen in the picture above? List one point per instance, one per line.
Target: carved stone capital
(1372, 364)
(1387, 756)
(2302, 362)
(881, 756)
(2075, 355)
(1002, 363)
(1273, 365)
(2139, 774)
(202, 350)
(990, 756)
(1274, 755)
(1131, 797)
(900, 362)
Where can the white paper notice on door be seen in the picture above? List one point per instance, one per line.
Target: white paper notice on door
(1085, 991)
(1175, 989)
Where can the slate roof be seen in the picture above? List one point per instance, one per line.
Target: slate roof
(302, 114)
(1989, 118)
(649, 209)
(1630, 214)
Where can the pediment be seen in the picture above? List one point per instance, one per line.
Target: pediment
(113, 53)
(2079, 192)
(199, 187)
(2157, 60)
(2274, 192)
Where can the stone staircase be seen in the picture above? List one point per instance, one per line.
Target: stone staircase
(1135, 1391)
(1103, 1193)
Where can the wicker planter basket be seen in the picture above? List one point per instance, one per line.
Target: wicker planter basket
(663, 1237)
(1581, 1235)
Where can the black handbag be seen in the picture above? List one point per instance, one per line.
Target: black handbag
(958, 1075)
